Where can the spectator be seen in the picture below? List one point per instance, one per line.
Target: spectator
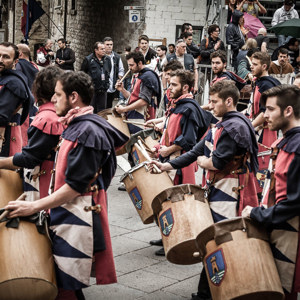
(128, 77)
(244, 66)
(65, 56)
(211, 44)
(286, 12)
(297, 80)
(191, 48)
(252, 7)
(262, 40)
(293, 47)
(171, 48)
(162, 59)
(116, 72)
(281, 68)
(149, 54)
(186, 27)
(45, 54)
(232, 6)
(98, 66)
(28, 68)
(234, 35)
(250, 44)
(186, 60)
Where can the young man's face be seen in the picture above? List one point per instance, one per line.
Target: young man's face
(274, 116)
(108, 47)
(215, 34)
(189, 40)
(61, 45)
(160, 52)
(133, 66)
(217, 105)
(217, 65)
(171, 49)
(175, 87)
(7, 61)
(61, 102)
(282, 59)
(167, 75)
(143, 45)
(257, 68)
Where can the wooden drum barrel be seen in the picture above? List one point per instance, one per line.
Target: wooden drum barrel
(142, 187)
(26, 261)
(182, 212)
(116, 121)
(238, 261)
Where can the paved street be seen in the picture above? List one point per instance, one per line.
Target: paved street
(141, 274)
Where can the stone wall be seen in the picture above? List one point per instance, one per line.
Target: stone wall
(92, 20)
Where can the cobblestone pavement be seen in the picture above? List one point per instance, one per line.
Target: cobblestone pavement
(141, 274)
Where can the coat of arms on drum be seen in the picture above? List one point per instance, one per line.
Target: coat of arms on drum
(166, 222)
(136, 198)
(216, 267)
(135, 157)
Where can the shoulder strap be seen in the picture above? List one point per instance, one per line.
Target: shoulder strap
(206, 44)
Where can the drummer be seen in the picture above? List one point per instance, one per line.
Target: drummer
(145, 93)
(230, 167)
(37, 158)
(85, 165)
(280, 212)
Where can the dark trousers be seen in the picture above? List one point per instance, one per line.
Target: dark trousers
(111, 97)
(99, 101)
(203, 287)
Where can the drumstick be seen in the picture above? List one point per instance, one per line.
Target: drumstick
(6, 212)
(146, 146)
(122, 79)
(144, 152)
(134, 122)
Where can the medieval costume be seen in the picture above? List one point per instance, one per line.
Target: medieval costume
(265, 137)
(37, 158)
(14, 107)
(186, 122)
(146, 86)
(86, 161)
(282, 215)
(228, 75)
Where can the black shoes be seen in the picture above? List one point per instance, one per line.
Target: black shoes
(195, 296)
(160, 252)
(156, 242)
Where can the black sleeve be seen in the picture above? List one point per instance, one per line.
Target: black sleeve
(188, 137)
(84, 66)
(39, 147)
(226, 149)
(72, 57)
(145, 93)
(285, 209)
(205, 52)
(83, 163)
(187, 158)
(9, 102)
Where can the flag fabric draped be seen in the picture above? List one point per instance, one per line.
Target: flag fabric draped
(31, 12)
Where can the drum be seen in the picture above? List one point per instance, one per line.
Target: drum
(182, 213)
(26, 261)
(238, 261)
(149, 138)
(142, 187)
(116, 121)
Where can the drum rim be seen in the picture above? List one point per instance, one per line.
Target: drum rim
(215, 231)
(142, 164)
(167, 193)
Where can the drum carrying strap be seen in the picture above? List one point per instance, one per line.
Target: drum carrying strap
(272, 192)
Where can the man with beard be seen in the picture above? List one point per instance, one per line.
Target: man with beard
(145, 93)
(85, 165)
(15, 100)
(281, 69)
(230, 167)
(148, 53)
(218, 65)
(259, 68)
(280, 213)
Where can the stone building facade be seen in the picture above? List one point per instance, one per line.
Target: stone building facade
(83, 23)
